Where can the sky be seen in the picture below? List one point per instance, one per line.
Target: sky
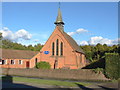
(86, 22)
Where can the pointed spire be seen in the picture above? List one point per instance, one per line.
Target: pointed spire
(59, 18)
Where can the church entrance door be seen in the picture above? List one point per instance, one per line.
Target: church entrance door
(55, 64)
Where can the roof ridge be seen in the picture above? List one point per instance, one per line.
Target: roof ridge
(18, 54)
(71, 41)
(17, 50)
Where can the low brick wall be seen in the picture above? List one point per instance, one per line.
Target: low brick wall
(82, 74)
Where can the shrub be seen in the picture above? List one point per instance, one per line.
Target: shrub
(98, 70)
(43, 65)
(112, 67)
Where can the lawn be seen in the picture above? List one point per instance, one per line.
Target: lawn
(49, 82)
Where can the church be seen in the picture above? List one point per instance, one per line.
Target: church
(60, 50)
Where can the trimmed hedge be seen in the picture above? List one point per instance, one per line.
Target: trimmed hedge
(43, 65)
(112, 67)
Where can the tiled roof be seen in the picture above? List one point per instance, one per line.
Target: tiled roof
(72, 43)
(17, 54)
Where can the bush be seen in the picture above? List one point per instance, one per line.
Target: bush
(43, 65)
(98, 70)
(112, 67)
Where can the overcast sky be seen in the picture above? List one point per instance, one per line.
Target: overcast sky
(33, 22)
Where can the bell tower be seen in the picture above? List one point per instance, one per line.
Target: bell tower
(59, 21)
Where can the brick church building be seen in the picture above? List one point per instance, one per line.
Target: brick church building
(60, 50)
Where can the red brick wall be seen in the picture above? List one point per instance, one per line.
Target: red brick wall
(16, 65)
(81, 74)
(23, 65)
(69, 58)
(32, 60)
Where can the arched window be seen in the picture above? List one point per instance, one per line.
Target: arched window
(36, 60)
(57, 47)
(61, 48)
(53, 48)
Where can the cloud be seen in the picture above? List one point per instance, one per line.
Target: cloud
(84, 43)
(99, 39)
(8, 34)
(23, 34)
(42, 43)
(36, 40)
(71, 33)
(81, 30)
(78, 31)
(116, 41)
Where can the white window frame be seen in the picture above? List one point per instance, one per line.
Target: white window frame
(21, 62)
(1, 62)
(5, 61)
(13, 62)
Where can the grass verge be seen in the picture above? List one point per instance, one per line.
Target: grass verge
(49, 82)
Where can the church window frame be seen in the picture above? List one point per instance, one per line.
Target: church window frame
(61, 48)
(57, 47)
(53, 49)
(36, 61)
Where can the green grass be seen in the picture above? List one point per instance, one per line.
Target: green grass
(49, 82)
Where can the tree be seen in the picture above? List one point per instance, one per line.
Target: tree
(100, 47)
(0, 40)
(0, 36)
(119, 49)
(37, 47)
(30, 47)
(7, 44)
(98, 51)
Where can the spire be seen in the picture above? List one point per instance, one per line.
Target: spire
(59, 18)
(59, 21)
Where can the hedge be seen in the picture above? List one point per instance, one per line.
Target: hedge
(112, 67)
(43, 65)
